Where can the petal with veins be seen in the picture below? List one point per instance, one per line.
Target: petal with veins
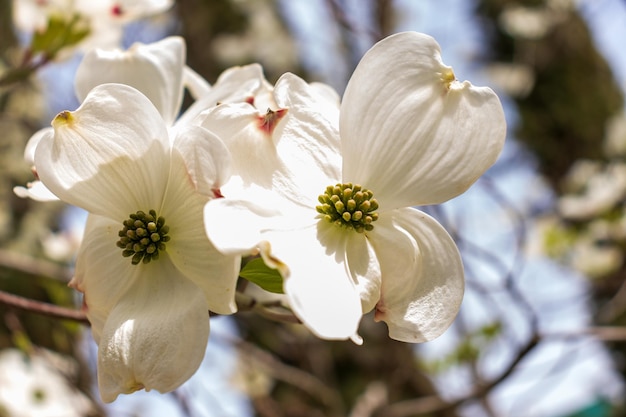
(155, 69)
(155, 336)
(102, 273)
(253, 151)
(430, 135)
(190, 249)
(422, 275)
(111, 166)
(206, 158)
(320, 288)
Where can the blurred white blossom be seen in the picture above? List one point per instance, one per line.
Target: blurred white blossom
(32, 386)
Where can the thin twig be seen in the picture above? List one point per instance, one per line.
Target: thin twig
(42, 308)
(431, 404)
(34, 266)
(292, 375)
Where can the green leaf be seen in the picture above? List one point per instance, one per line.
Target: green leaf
(61, 32)
(262, 275)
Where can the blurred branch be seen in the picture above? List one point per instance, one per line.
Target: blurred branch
(272, 310)
(431, 404)
(33, 266)
(294, 376)
(40, 307)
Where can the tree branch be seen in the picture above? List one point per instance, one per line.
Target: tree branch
(42, 308)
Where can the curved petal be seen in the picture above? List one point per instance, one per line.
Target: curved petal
(155, 69)
(206, 157)
(189, 248)
(364, 269)
(410, 132)
(110, 157)
(320, 288)
(198, 87)
(326, 271)
(253, 152)
(155, 336)
(422, 275)
(102, 273)
(235, 85)
(36, 191)
(307, 142)
(33, 142)
(237, 226)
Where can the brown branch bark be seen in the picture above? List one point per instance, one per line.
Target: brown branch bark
(42, 308)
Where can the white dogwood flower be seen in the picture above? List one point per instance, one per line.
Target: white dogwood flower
(146, 267)
(158, 70)
(105, 18)
(332, 209)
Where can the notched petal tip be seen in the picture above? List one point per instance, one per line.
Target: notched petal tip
(268, 122)
(265, 250)
(64, 118)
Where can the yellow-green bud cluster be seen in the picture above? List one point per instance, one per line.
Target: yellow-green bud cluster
(349, 205)
(143, 236)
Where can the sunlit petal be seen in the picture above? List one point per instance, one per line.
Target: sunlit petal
(430, 135)
(422, 275)
(190, 250)
(320, 288)
(206, 158)
(155, 69)
(102, 273)
(235, 85)
(155, 336)
(110, 165)
(254, 157)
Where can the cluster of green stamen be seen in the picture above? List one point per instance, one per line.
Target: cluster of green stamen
(349, 205)
(143, 236)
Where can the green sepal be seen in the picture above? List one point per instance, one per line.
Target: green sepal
(262, 275)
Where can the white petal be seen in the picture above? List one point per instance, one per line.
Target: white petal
(33, 142)
(364, 269)
(294, 151)
(234, 85)
(155, 69)
(36, 191)
(189, 248)
(320, 272)
(155, 336)
(120, 11)
(110, 157)
(409, 132)
(236, 226)
(102, 273)
(320, 288)
(253, 152)
(309, 143)
(206, 157)
(422, 275)
(198, 87)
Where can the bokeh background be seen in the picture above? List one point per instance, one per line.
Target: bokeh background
(542, 329)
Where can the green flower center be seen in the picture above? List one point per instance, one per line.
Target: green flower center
(349, 205)
(143, 236)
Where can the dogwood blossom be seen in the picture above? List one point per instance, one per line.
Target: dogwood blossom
(106, 18)
(330, 207)
(158, 70)
(147, 269)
